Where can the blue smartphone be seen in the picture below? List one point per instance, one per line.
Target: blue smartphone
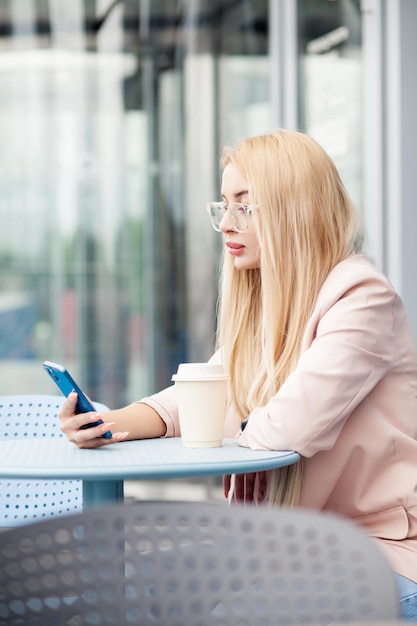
(63, 379)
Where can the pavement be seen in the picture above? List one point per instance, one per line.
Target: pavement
(205, 488)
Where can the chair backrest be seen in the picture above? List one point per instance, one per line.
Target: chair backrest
(21, 501)
(193, 564)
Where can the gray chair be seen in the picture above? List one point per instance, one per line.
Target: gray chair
(193, 564)
(21, 501)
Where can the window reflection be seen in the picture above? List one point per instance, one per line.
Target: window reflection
(330, 88)
(112, 116)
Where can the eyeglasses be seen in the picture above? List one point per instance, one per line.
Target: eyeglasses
(237, 213)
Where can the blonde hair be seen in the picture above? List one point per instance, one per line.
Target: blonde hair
(305, 224)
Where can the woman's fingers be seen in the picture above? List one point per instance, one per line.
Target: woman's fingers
(226, 485)
(247, 487)
(244, 487)
(73, 425)
(85, 439)
(260, 487)
(68, 406)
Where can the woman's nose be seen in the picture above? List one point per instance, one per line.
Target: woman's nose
(226, 223)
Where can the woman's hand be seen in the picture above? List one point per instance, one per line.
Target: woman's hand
(71, 426)
(247, 487)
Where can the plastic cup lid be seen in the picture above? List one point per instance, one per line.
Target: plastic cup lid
(200, 371)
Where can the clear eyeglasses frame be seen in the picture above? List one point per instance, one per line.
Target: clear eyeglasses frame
(237, 213)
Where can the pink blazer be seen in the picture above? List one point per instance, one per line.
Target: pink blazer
(349, 408)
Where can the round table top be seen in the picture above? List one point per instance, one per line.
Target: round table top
(56, 458)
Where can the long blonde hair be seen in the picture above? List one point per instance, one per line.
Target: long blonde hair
(305, 224)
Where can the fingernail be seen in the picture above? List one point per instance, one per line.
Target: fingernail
(226, 494)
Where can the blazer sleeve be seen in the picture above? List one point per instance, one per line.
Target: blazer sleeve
(351, 350)
(165, 404)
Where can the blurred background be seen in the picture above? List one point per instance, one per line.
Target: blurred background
(113, 115)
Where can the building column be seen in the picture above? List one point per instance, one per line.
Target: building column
(401, 151)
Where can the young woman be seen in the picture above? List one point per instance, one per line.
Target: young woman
(318, 348)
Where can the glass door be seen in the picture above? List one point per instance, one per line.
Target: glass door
(330, 83)
(112, 116)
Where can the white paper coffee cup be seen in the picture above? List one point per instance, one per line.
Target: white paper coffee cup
(201, 390)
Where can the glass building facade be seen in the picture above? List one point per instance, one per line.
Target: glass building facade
(113, 115)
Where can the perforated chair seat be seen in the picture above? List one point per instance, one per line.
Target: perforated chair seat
(21, 501)
(193, 564)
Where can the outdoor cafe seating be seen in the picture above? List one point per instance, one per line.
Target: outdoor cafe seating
(171, 563)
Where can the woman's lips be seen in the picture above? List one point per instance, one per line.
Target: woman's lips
(235, 248)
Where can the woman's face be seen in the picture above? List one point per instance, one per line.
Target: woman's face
(244, 247)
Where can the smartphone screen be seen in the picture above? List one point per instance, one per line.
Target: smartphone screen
(65, 382)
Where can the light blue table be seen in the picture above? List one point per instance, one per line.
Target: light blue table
(103, 470)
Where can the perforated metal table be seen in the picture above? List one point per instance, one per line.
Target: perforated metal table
(103, 470)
